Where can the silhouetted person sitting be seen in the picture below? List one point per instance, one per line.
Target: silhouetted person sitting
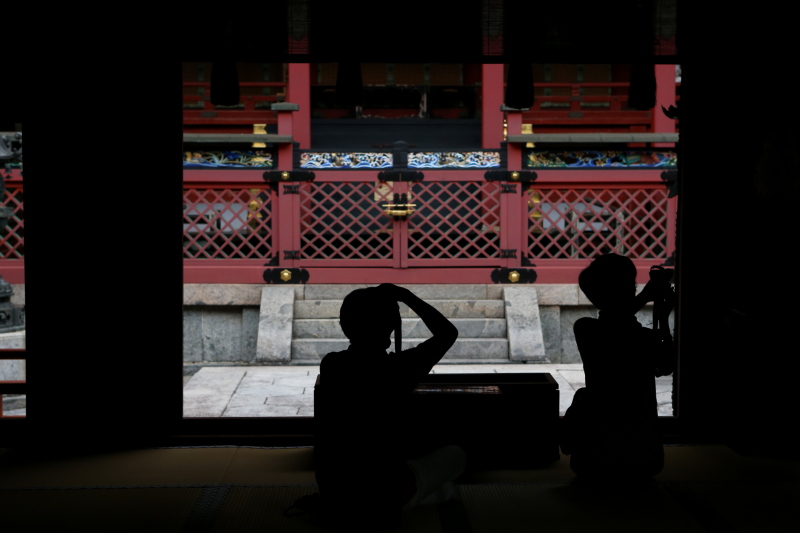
(610, 429)
(364, 479)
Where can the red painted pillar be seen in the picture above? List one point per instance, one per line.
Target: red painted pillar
(298, 91)
(665, 96)
(286, 216)
(286, 123)
(491, 100)
(514, 126)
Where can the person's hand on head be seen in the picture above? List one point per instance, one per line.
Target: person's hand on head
(394, 292)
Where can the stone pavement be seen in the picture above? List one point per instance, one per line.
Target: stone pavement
(223, 391)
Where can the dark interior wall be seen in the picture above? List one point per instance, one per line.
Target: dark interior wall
(104, 315)
(102, 182)
(738, 200)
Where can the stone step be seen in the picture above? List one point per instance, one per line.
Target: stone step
(472, 349)
(426, 292)
(449, 308)
(328, 328)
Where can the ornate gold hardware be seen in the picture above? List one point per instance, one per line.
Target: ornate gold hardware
(403, 209)
(286, 275)
(259, 129)
(505, 130)
(527, 129)
(535, 198)
(254, 206)
(513, 276)
(515, 176)
(285, 176)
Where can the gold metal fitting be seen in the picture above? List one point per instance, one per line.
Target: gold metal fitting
(285, 176)
(513, 276)
(398, 212)
(259, 129)
(527, 129)
(286, 275)
(515, 176)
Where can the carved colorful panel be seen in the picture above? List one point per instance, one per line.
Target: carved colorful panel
(232, 159)
(345, 160)
(601, 159)
(454, 159)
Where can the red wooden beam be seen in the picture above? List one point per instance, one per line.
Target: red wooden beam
(491, 99)
(299, 92)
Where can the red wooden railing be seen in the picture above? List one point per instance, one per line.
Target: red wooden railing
(236, 225)
(12, 239)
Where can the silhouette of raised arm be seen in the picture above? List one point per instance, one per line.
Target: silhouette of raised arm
(444, 332)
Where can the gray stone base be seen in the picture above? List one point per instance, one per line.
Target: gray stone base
(222, 323)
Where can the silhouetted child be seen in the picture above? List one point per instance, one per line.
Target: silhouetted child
(364, 479)
(610, 430)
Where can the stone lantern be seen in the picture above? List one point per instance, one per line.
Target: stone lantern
(12, 316)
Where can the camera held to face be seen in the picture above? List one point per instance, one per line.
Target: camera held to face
(660, 276)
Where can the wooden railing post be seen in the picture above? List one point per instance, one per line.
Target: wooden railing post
(287, 214)
(491, 100)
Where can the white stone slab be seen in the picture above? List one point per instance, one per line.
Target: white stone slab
(260, 379)
(261, 411)
(282, 371)
(525, 339)
(13, 340)
(297, 400)
(557, 294)
(221, 294)
(238, 370)
(12, 370)
(576, 378)
(463, 369)
(209, 391)
(274, 342)
(307, 381)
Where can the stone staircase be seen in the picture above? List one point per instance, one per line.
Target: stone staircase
(478, 311)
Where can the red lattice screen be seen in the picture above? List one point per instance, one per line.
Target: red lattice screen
(233, 223)
(572, 223)
(455, 220)
(344, 221)
(12, 243)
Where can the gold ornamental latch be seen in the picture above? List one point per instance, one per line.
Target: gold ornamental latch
(399, 207)
(398, 210)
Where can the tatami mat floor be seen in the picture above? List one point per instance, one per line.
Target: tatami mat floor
(702, 488)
